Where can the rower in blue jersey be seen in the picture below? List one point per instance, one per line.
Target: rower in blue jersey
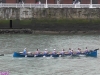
(55, 54)
(46, 54)
(25, 51)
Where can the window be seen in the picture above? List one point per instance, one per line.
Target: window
(94, 1)
(20, 1)
(43, 1)
(38, 1)
(76, 1)
(0, 1)
(57, 1)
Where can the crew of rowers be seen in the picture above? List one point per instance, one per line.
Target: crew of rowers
(70, 51)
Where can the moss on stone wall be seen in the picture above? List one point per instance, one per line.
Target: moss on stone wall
(67, 21)
(54, 24)
(53, 21)
(66, 24)
(4, 22)
(25, 22)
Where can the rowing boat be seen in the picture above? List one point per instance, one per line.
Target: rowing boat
(91, 53)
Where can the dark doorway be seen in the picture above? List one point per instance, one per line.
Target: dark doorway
(76, 1)
(94, 1)
(10, 24)
(20, 1)
(0, 1)
(43, 1)
(36, 1)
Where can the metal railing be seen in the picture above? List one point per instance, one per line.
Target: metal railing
(6, 5)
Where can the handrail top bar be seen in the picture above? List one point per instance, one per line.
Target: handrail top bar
(28, 5)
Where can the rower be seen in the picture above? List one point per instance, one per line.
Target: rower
(25, 51)
(78, 51)
(45, 52)
(63, 52)
(86, 50)
(37, 52)
(54, 51)
(70, 51)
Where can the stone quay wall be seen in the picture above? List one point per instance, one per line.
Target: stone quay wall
(51, 19)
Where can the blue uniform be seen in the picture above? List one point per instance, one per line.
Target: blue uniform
(45, 52)
(54, 52)
(24, 51)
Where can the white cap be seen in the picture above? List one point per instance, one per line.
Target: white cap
(45, 49)
(54, 49)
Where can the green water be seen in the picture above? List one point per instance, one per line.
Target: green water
(48, 66)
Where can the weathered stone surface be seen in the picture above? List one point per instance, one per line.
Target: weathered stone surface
(28, 13)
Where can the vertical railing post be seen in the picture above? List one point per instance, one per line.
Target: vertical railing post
(91, 4)
(16, 5)
(75, 5)
(60, 5)
(23, 5)
(30, 5)
(46, 6)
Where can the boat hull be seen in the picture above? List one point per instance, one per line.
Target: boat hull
(92, 53)
(17, 54)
